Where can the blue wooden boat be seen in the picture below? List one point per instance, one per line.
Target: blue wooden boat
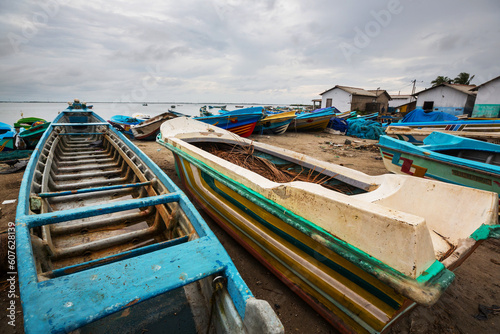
(316, 120)
(240, 121)
(32, 135)
(447, 158)
(360, 249)
(124, 123)
(107, 243)
(7, 135)
(477, 129)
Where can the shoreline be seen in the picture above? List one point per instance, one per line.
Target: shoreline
(477, 280)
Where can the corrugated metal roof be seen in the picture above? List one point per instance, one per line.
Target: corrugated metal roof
(352, 91)
(467, 89)
(400, 96)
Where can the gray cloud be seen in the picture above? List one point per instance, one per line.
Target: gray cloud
(274, 51)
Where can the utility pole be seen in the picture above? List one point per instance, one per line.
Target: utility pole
(413, 89)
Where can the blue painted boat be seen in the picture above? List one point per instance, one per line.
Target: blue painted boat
(7, 135)
(240, 121)
(316, 120)
(124, 123)
(107, 243)
(416, 131)
(447, 158)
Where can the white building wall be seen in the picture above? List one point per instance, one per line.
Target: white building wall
(397, 101)
(340, 99)
(489, 93)
(445, 99)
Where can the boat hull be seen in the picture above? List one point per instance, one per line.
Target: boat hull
(303, 264)
(241, 122)
(488, 130)
(401, 157)
(32, 135)
(275, 124)
(104, 238)
(272, 221)
(149, 129)
(313, 121)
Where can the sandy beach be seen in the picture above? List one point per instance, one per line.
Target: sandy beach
(477, 280)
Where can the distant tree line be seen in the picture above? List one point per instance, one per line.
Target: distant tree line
(463, 78)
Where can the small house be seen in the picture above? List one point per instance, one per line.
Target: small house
(488, 99)
(351, 98)
(453, 99)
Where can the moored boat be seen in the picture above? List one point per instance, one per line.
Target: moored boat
(447, 158)
(240, 121)
(316, 120)
(360, 249)
(32, 135)
(124, 123)
(149, 129)
(275, 123)
(7, 135)
(27, 122)
(107, 243)
(416, 135)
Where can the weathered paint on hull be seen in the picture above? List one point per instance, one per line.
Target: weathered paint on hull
(400, 162)
(6, 145)
(344, 294)
(310, 124)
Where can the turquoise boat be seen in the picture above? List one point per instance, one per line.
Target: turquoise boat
(31, 136)
(361, 250)
(445, 157)
(239, 121)
(7, 135)
(107, 243)
(124, 124)
(316, 120)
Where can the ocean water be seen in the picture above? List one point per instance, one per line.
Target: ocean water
(10, 112)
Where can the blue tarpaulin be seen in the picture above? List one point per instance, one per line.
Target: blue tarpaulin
(419, 115)
(364, 129)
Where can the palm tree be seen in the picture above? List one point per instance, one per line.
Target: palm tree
(463, 78)
(439, 80)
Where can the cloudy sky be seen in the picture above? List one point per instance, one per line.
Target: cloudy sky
(268, 51)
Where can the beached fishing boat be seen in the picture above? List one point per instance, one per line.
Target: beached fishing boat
(423, 124)
(417, 135)
(149, 129)
(124, 123)
(447, 158)
(7, 135)
(239, 121)
(360, 249)
(275, 123)
(32, 135)
(316, 120)
(107, 243)
(27, 122)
